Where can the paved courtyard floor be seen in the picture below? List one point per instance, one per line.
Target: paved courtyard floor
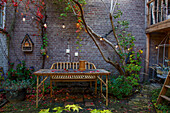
(84, 97)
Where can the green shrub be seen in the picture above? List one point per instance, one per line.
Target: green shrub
(120, 87)
(21, 72)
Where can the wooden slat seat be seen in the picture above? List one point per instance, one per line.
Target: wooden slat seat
(72, 78)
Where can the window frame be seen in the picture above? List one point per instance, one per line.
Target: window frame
(3, 16)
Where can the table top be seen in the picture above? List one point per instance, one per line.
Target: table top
(49, 72)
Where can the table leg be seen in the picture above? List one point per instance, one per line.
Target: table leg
(37, 92)
(51, 88)
(96, 86)
(90, 84)
(106, 90)
(101, 86)
(43, 88)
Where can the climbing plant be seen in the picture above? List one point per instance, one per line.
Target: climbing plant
(69, 6)
(39, 18)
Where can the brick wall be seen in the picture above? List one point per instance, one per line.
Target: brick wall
(96, 17)
(3, 52)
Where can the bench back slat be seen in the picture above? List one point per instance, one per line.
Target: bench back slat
(71, 65)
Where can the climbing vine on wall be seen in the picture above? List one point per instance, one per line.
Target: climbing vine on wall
(38, 11)
(37, 8)
(70, 6)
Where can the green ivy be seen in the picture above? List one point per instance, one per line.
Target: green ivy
(45, 42)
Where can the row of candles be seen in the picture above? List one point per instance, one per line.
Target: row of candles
(75, 54)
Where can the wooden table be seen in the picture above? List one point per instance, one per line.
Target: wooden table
(53, 72)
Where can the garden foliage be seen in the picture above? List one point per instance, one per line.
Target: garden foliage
(72, 108)
(21, 72)
(120, 87)
(123, 85)
(163, 106)
(19, 78)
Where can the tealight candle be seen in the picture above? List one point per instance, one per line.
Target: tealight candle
(67, 50)
(76, 54)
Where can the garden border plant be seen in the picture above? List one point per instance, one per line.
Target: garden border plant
(72, 108)
(18, 80)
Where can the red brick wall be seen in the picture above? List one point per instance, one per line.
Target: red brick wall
(97, 17)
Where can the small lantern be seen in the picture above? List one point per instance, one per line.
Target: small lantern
(76, 54)
(27, 44)
(63, 26)
(23, 19)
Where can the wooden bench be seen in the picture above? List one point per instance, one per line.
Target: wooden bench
(73, 78)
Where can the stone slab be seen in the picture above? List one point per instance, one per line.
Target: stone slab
(79, 100)
(89, 104)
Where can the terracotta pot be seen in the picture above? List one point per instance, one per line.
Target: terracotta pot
(82, 65)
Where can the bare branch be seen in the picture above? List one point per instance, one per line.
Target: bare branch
(113, 7)
(104, 39)
(114, 33)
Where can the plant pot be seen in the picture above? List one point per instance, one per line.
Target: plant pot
(82, 65)
(43, 51)
(15, 96)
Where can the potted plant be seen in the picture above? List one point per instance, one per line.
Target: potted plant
(18, 81)
(43, 51)
(16, 90)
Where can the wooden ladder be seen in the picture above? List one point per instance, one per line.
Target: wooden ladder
(164, 89)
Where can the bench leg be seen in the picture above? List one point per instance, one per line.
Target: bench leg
(37, 92)
(90, 84)
(51, 88)
(107, 90)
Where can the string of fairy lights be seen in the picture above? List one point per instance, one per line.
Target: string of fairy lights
(45, 24)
